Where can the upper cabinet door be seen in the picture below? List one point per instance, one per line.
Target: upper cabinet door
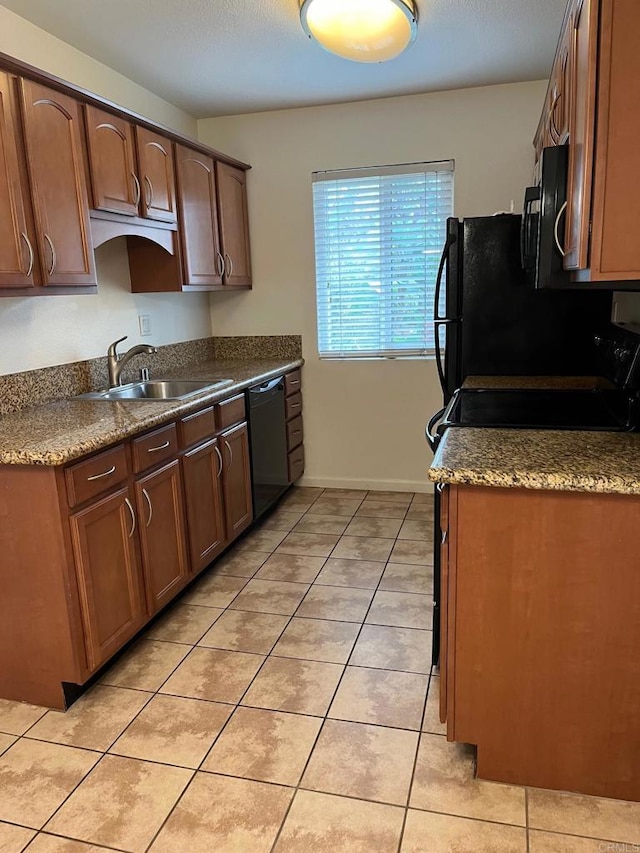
(114, 182)
(155, 156)
(583, 63)
(56, 166)
(234, 224)
(18, 263)
(203, 260)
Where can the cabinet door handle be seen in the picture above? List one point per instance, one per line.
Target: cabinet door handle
(30, 248)
(220, 462)
(149, 198)
(146, 494)
(228, 446)
(220, 264)
(444, 537)
(136, 184)
(440, 487)
(556, 226)
(53, 253)
(133, 517)
(108, 473)
(553, 128)
(159, 447)
(227, 257)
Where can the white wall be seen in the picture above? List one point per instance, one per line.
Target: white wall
(36, 332)
(364, 421)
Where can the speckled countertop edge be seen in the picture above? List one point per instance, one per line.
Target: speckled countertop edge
(59, 432)
(557, 460)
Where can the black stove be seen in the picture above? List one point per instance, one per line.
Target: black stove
(610, 409)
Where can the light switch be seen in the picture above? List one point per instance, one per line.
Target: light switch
(144, 321)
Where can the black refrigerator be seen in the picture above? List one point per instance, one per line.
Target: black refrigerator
(491, 321)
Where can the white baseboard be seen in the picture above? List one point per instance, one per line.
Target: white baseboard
(378, 485)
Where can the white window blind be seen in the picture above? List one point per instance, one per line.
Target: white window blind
(379, 235)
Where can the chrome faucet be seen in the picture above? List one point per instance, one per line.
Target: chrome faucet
(117, 362)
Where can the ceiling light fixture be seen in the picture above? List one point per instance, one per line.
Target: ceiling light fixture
(361, 30)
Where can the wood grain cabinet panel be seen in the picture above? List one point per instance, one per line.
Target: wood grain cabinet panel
(160, 514)
(203, 261)
(234, 224)
(202, 472)
(583, 64)
(114, 180)
(157, 179)
(107, 572)
(53, 140)
(18, 262)
(236, 480)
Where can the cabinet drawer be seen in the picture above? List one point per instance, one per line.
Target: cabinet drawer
(230, 411)
(87, 479)
(293, 405)
(154, 447)
(292, 382)
(294, 433)
(296, 464)
(197, 427)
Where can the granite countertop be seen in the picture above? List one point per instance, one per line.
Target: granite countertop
(58, 432)
(561, 460)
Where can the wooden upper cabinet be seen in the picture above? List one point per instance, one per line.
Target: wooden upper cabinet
(53, 140)
(114, 181)
(18, 261)
(202, 259)
(234, 224)
(156, 175)
(583, 60)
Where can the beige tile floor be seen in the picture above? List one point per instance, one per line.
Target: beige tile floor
(286, 703)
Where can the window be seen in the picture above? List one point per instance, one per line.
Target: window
(379, 236)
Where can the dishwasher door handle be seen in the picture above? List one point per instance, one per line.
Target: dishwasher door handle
(266, 386)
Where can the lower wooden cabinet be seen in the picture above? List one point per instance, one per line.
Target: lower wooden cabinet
(236, 480)
(202, 471)
(160, 505)
(109, 582)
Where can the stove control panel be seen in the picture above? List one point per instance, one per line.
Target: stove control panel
(619, 355)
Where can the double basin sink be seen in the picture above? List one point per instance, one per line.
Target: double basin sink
(157, 389)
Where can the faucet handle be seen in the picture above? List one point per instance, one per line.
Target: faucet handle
(112, 352)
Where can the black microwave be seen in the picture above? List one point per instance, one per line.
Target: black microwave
(542, 229)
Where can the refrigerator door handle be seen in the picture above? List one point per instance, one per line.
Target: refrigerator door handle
(437, 319)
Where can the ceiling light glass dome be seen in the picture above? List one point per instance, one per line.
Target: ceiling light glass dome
(361, 30)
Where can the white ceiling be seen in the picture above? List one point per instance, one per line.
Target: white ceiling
(223, 57)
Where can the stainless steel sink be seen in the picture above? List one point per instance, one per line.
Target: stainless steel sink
(157, 389)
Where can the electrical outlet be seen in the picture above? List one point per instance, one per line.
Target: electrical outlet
(144, 321)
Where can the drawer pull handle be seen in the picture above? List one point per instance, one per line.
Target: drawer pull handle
(294, 382)
(220, 462)
(146, 494)
(30, 248)
(228, 446)
(295, 405)
(133, 517)
(159, 447)
(296, 432)
(108, 473)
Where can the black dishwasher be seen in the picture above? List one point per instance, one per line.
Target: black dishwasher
(268, 442)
